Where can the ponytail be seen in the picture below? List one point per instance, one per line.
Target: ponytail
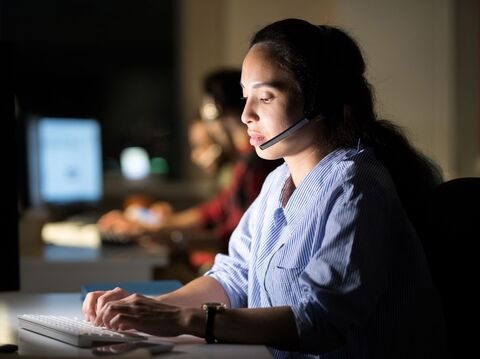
(413, 174)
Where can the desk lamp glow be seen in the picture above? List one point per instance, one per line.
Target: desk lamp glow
(134, 163)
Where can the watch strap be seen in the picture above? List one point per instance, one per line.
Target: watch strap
(211, 310)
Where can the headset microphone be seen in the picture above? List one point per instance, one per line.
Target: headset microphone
(296, 126)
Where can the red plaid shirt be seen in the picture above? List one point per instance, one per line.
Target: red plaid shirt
(225, 210)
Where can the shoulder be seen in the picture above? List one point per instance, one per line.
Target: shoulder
(359, 172)
(362, 168)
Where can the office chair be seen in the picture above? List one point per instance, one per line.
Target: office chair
(449, 234)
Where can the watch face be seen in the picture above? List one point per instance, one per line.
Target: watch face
(213, 305)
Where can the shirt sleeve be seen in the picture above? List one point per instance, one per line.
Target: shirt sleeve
(342, 282)
(232, 271)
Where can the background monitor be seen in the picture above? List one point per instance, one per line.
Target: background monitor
(64, 161)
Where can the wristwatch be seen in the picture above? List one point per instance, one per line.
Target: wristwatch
(211, 309)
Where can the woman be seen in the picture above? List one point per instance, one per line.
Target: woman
(325, 261)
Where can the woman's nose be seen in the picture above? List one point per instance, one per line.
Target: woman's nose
(249, 115)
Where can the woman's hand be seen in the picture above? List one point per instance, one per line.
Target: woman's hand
(144, 314)
(95, 301)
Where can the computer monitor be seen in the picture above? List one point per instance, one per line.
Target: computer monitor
(64, 161)
(9, 252)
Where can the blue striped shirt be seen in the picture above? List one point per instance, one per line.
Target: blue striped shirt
(343, 256)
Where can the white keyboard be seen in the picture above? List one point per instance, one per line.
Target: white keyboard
(72, 330)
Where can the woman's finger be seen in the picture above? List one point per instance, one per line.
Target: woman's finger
(119, 303)
(104, 299)
(123, 321)
(90, 304)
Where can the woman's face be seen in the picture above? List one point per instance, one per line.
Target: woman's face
(272, 105)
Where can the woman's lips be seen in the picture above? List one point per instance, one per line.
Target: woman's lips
(256, 139)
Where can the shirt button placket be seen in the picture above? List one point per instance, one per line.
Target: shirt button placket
(279, 221)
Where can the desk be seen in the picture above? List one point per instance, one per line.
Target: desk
(65, 269)
(69, 304)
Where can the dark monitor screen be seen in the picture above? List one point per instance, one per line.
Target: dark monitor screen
(9, 252)
(64, 159)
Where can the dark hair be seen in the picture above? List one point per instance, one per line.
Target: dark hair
(224, 88)
(329, 71)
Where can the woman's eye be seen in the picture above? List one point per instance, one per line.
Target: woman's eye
(266, 99)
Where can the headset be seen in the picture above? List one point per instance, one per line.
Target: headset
(285, 133)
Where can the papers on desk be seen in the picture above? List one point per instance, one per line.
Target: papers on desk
(70, 233)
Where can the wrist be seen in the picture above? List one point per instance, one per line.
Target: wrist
(192, 321)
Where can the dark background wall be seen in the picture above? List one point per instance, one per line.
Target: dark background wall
(114, 60)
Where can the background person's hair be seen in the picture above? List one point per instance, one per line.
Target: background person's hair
(329, 71)
(222, 107)
(223, 86)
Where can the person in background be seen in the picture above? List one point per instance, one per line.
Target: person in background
(325, 263)
(220, 113)
(207, 154)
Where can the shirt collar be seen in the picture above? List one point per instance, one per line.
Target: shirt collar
(310, 188)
